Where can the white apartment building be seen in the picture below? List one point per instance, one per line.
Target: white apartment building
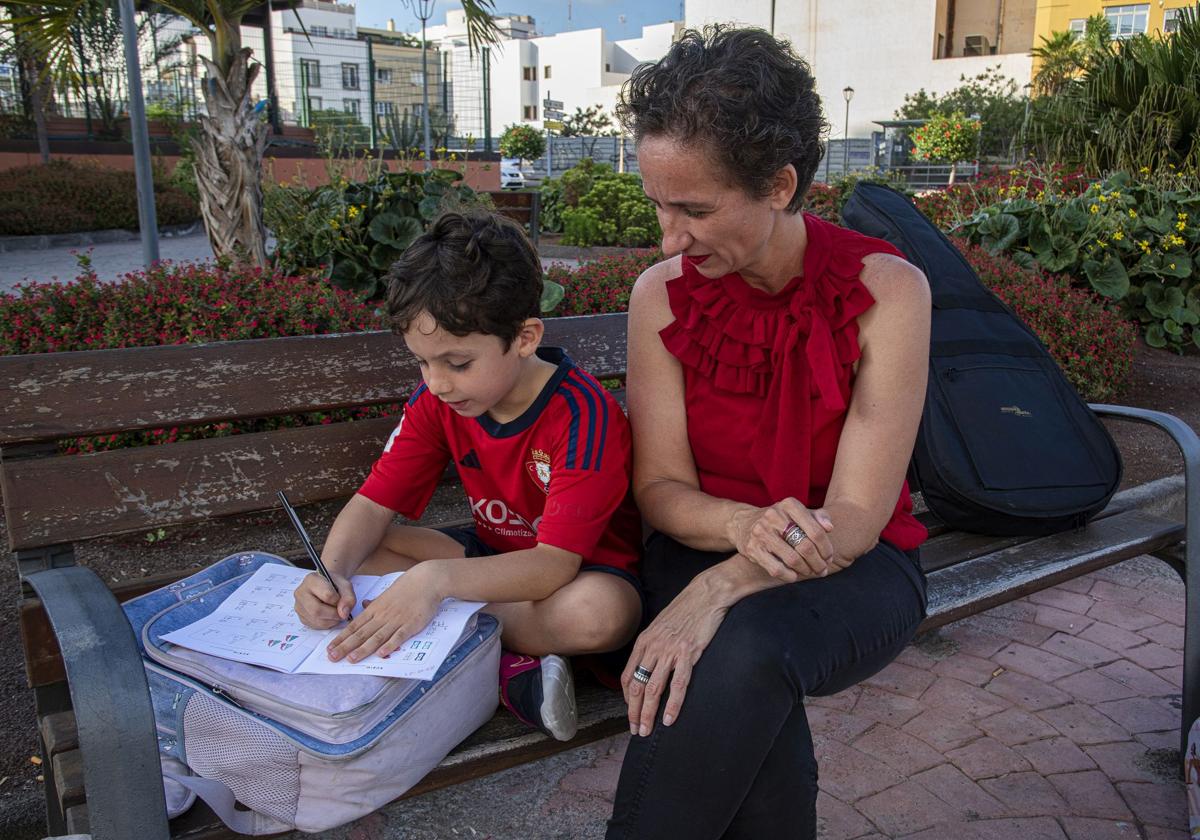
(580, 68)
(886, 50)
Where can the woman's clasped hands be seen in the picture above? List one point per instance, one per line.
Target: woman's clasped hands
(787, 539)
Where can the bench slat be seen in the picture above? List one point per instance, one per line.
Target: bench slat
(48, 396)
(70, 497)
(1002, 576)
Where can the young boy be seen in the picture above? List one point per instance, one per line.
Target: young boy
(544, 455)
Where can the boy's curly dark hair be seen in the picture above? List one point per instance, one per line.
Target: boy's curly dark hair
(474, 272)
(743, 94)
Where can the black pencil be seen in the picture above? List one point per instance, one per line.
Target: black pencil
(308, 546)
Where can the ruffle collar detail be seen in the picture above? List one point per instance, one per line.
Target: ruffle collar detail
(743, 339)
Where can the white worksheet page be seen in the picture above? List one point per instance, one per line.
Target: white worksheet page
(258, 624)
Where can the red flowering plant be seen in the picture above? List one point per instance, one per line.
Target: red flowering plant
(601, 285)
(947, 139)
(179, 304)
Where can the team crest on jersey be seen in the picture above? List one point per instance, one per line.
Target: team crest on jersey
(538, 468)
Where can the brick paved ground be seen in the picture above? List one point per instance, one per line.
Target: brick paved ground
(1052, 717)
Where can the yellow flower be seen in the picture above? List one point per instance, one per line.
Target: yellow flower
(1133, 214)
(1144, 245)
(1172, 265)
(1115, 193)
(1118, 235)
(333, 224)
(1101, 243)
(1181, 226)
(1103, 198)
(1095, 208)
(1041, 194)
(1181, 216)
(1177, 240)
(351, 212)
(1145, 170)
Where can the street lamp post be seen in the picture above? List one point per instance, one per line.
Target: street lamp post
(423, 9)
(847, 94)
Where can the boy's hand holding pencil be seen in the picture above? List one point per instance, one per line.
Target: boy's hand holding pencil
(321, 604)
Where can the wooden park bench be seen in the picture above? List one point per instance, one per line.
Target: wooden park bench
(95, 722)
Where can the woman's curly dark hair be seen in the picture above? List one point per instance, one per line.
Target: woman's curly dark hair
(743, 94)
(474, 272)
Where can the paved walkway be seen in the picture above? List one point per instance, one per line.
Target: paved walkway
(110, 259)
(1053, 717)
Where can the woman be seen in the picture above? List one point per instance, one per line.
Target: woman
(777, 368)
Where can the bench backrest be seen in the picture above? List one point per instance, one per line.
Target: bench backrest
(50, 499)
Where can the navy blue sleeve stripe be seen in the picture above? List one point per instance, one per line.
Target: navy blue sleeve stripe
(593, 387)
(573, 429)
(417, 393)
(572, 384)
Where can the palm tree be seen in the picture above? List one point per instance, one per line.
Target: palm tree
(233, 137)
(1136, 105)
(1059, 58)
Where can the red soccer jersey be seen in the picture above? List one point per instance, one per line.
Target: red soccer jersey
(559, 474)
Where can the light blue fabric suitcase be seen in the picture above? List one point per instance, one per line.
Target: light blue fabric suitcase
(304, 751)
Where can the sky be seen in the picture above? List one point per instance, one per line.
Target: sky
(619, 18)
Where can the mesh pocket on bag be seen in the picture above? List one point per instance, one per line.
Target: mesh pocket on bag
(256, 763)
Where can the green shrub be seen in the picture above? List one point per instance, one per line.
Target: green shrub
(552, 205)
(351, 233)
(614, 211)
(1137, 242)
(66, 197)
(179, 304)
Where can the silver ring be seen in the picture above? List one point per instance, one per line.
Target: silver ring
(641, 674)
(793, 535)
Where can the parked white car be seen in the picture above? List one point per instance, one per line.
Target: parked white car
(511, 177)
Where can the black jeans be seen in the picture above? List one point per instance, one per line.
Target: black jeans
(739, 762)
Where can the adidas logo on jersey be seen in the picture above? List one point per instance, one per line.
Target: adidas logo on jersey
(470, 460)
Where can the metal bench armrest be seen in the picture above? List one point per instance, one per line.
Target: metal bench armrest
(121, 770)
(1189, 446)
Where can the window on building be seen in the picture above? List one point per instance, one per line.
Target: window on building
(530, 112)
(607, 67)
(350, 106)
(546, 72)
(529, 74)
(416, 78)
(384, 109)
(350, 76)
(1127, 21)
(318, 30)
(1078, 25)
(1171, 19)
(383, 75)
(310, 72)
(314, 105)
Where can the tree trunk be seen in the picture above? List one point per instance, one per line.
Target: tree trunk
(229, 154)
(953, 173)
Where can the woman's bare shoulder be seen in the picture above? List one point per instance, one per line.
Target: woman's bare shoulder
(894, 281)
(649, 296)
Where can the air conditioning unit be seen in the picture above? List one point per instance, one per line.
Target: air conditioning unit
(976, 45)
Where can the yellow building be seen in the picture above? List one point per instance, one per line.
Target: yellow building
(1127, 19)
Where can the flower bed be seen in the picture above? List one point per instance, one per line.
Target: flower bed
(185, 304)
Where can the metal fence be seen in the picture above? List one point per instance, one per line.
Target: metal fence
(359, 85)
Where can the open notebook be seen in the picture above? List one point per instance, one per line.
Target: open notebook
(257, 624)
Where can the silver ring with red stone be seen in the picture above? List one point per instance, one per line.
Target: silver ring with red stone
(641, 674)
(793, 535)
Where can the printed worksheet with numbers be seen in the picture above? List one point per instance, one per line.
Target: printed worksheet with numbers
(258, 625)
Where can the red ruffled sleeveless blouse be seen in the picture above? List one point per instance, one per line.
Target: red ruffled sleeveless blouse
(768, 376)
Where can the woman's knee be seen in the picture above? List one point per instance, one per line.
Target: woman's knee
(749, 649)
